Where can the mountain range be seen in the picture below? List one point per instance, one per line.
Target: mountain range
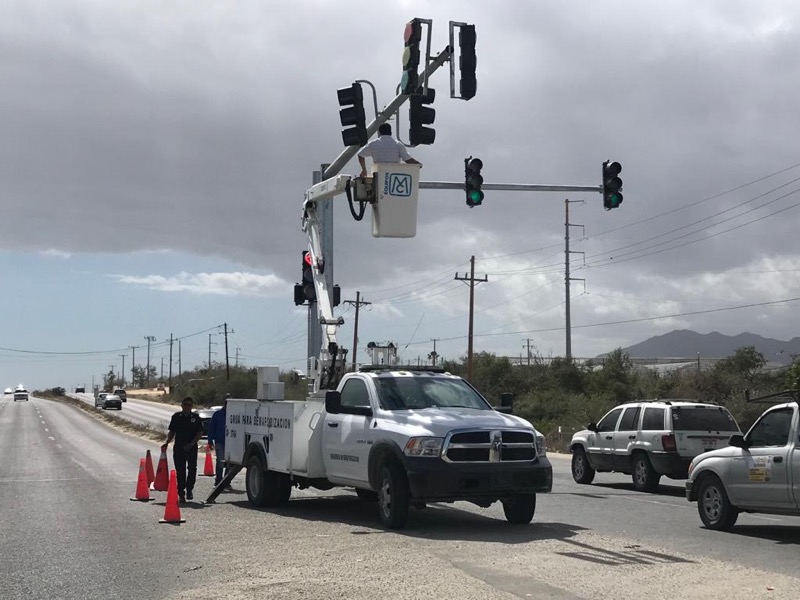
(688, 344)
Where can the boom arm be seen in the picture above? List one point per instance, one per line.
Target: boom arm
(327, 369)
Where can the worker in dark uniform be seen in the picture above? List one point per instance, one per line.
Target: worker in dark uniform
(186, 428)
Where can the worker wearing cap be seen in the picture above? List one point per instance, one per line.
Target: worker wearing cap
(216, 439)
(384, 149)
(186, 428)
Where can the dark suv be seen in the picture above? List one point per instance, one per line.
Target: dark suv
(123, 395)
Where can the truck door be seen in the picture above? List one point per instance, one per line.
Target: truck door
(346, 436)
(760, 474)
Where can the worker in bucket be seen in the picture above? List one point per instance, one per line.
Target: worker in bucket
(186, 428)
(384, 149)
(216, 439)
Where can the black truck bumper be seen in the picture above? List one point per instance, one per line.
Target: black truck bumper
(434, 480)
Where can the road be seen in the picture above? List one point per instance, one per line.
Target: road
(69, 530)
(140, 412)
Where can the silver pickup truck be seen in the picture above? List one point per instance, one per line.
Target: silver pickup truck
(759, 472)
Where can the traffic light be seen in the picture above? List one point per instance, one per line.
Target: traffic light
(412, 35)
(309, 292)
(353, 118)
(473, 180)
(467, 61)
(612, 185)
(420, 115)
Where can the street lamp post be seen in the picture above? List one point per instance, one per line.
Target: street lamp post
(149, 338)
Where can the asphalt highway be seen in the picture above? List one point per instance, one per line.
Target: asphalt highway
(69, 530)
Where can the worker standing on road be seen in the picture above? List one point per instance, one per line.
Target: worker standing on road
(384, 149)
(186, 428)
(216, 439)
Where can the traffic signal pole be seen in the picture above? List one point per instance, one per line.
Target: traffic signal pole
(512, 187)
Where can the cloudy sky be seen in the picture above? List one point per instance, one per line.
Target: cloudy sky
(154, 158)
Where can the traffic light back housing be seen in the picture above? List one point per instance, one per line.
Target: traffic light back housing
(467, 61)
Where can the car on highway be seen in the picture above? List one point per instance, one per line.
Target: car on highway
(759, 472)
(80, 389)
(20, 393)
(8, 391)
(98, 399)
(650, 439)
(121, 393)
(205, 417)
(111, 401)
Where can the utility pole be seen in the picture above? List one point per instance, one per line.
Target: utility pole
(433, 355)
(227, 362)
(180, 366)
(567, 278)
(169, 382)
(162, 368)
(133, 366)
(358, 302)
(209, 351)
(237, 356)
(149, 338)
(472, 281)
(122, 373)
(529, 350)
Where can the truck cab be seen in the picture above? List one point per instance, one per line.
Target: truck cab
(758, 472)
(402, 436)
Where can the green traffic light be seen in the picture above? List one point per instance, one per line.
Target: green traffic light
(475, 197)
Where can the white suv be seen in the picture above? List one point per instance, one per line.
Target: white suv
(648, 439)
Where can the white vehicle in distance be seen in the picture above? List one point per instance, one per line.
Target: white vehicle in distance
(648, 439)
(20, 393)
(8, 391)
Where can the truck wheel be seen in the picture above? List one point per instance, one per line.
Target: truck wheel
(581, 471)
(519, 509)
(366, 495)
(282, 485)
(645, 479)
(716, 511)
(256, 482)
(393, 498)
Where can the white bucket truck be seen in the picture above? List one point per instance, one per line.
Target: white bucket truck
(404, 437)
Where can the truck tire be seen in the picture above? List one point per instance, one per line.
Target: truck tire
(644, 477)
(519, 509)
(716, 510)
(366, 495)
(393, 497)
(256, 482)
(282, 485)
(582, 472)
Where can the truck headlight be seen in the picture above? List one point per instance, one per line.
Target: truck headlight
(541, 445)
(424, 446)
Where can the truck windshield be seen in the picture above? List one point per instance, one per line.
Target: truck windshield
(703, 418)
(416, 393)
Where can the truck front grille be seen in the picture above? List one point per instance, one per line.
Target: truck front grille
(490, 446)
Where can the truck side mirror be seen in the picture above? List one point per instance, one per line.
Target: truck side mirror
(333, 402)
(737, 440)
(507, 400)
(592, 427)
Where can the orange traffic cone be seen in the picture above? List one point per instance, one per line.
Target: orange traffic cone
(142, 489)
(161, 482)
(208, 470)
(172, 512)
(148, 469)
